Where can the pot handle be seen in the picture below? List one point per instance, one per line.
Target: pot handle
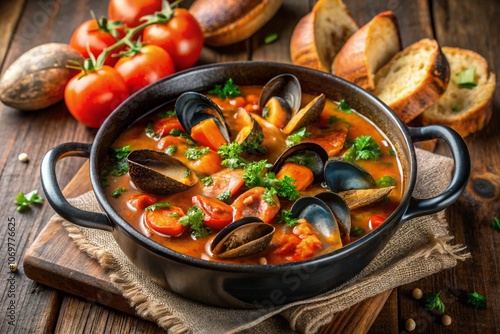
(54, 194)
(420, 207)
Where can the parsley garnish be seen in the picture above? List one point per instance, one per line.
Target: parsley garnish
(343, 106)
(117, 192)
(386, 181)
(194, 219)
(187, 172)
(231, 155)
(156, 206)
(167, 113)
(304, 159)
(228, 90)
(496, 223)
(171, 149)
(23, 201)
(265, 112)
(476, 300)
(432, 302)
(173, 215)
(195, 154)
(207, 180)
(271, 38)
(357, 231)
(391, 153)
(363, 148)
(151, 133)
(335, 119)
(297, 136)
(268, 196)
(456, 108)
(178, 133)
(118, 165)
(286, 217)
(224, 196)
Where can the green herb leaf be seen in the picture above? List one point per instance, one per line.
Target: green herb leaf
(357, 231)
(178, 133)
(194, 154)
(229, 89)
(224, 196)
(171, 149)
(386, 181)
(118, 164)
(286, 217)
(476, 300)
(343, 106)
(117, 192)
(157, 206)
(456, 108)
(194, 219)
(391, 153)
(466, 78)
(121, 153)
(150, 132)
(433, 301)
(496, 223)
(271, 38)
(265, 112)
(207, 180)
(23, 201)
(231, 155)
(268, 196)
(297, 136)
(363, 148)
(167, 113)
(174, 214)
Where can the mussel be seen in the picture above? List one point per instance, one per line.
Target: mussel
(341, 211)
(310, 113)
(244, 237)
(310, 155)
(285, 88)
(158, 173)
(250, 136)
(341, 175)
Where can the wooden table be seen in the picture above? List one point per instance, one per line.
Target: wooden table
(40, 309)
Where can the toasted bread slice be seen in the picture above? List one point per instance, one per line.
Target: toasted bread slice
(226, 22)
(367, 50)
(319, 35)
(466, 110)
(413, 79)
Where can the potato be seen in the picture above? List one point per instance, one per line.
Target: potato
(37, 79)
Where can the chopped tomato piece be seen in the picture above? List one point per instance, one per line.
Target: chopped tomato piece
(208, 163)
(302, 175)
(217, 213)
(141, 201)
(332, 143)
(224, 180)
(252, 204)
(302, 244)
(237, 102)
(375, 221)
(166, 221)
(207, 133)
(171, 140)
(165, 125)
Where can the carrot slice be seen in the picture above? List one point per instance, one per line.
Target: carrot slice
(217, 213)
(252, 204)
(224, 180)
(302, 175)
(165, 125)
(166, 221)
(141, 201)
(208, 163)
(207, 133)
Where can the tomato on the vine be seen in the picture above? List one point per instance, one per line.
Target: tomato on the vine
(91, 96)
(94, 36)
(149, 65)
(130, 11)
(181, 37)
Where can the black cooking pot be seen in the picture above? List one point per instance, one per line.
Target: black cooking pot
(248, 286)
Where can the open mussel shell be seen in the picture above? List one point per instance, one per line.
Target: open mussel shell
(310, 155)
(317, 213)
(341, 175)
(251, 135)
(358, 198)
(340, 210)
(158, 173)
(307, 115)
(287, 88)
(191, 108)
(244, 237)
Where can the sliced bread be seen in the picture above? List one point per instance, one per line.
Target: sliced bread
(466, 110)
(367, 50)
(318, 36)
(413, 79)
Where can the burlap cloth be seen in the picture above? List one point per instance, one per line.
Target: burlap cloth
(419, 248)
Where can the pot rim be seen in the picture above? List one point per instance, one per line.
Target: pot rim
(144, 241)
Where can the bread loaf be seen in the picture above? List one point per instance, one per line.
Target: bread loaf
(226, 22)
(466, 110)
(319, 35)
(413, 79)
(367, 50)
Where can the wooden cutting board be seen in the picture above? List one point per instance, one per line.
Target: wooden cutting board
(55, 260)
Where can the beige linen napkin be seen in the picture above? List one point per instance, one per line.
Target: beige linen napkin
(419, 248)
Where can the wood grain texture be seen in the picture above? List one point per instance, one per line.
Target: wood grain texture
(10, 12)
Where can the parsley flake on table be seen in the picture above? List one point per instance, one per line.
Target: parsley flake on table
(433, 301)
(496, 223)
(476, 300)
(23, 201)
(194, 220)
(229, 89)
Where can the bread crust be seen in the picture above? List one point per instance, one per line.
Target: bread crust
(426, 92)
(226, 22)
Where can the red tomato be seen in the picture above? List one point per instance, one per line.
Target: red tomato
(252, 204)
(140, 202)
(165, 125)
(375, 221)
(217, 213)
(88, 35)
(166, 220)
(151, 64)
(130, 11)
(91, 97)
(225, 180)
(181, 37)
